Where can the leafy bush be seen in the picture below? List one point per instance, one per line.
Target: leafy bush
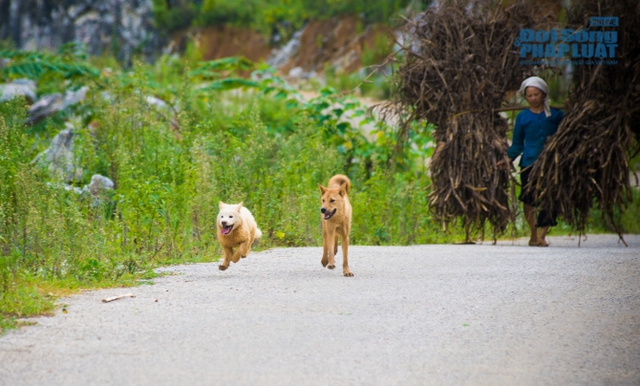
(174, 18)
(219, 12)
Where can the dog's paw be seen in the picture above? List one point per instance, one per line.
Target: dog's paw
(348, 274)
(331, 266)
(223, 267)
(325, 262)
(244, 256)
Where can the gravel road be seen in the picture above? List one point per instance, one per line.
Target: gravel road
(505, 314)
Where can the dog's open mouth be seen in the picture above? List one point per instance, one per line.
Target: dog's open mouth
(328, 215)
(226, 229)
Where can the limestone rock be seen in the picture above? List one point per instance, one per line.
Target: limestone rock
(58, 158)
(23, 87)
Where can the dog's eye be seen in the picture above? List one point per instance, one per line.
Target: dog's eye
(323, 200)
(230, 216)
(332, 200)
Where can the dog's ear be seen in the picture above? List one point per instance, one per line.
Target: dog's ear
(221, 204)
(239, 207)
(322, 189)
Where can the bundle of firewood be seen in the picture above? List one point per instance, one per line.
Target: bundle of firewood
(456, 69)
(587, 162)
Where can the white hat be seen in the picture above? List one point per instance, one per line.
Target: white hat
(541, 85)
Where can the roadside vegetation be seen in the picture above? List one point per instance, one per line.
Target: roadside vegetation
(217, 137)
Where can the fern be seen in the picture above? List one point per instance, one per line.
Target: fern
(68, 63)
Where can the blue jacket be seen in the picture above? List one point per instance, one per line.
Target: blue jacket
(530, 133)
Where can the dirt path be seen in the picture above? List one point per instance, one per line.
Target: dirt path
(420, 315)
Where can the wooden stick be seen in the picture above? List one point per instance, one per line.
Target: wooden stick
(513, 108)
(112, 298)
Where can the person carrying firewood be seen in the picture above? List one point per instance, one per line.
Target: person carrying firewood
(532, 128)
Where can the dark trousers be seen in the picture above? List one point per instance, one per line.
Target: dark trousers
(528, 196)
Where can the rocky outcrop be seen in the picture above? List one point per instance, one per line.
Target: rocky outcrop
(59, 159)
(123, 27)
(99, 186)
(99, 190)
(19, 87)
(52, 103)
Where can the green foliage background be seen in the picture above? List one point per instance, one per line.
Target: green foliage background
(268, 16)
(220, 138)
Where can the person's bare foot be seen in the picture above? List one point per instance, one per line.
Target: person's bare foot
(542, 243)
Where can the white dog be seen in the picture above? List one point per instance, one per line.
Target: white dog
(236, 228)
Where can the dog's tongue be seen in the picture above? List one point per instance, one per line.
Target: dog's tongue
(327, 215)
(226, 230)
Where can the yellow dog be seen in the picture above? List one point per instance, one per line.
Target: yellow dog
(336, 221)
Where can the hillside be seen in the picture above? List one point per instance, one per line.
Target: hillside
(299, 35)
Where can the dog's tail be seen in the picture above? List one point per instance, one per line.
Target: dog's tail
(339, 180)
(258, 233)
